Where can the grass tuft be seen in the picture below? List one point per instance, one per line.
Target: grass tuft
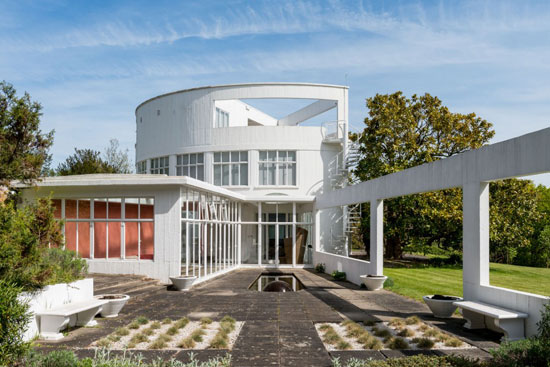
(454, 342)
(343, 345)
(122, 331)
(134, 325)
(160, 342)
(369, 323)
(431, 333)
(167, 321)
(412, 320)
(382, 333)
(155, 325)
(397, 322)
(423, 343)
(173, 330)
(142, 320)
(181, 323)
(406, 332)
(206, 321)
(103, 343)
(398, 343)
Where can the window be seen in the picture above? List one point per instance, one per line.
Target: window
(222, 118)
(159, 165)
(191, 165)
(108, 228)
(277, 168)
(231, 168)
(142, 167)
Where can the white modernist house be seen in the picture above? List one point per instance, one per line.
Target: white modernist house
(222, 185)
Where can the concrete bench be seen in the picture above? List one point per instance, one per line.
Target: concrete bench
(54, 320)
(481, 315)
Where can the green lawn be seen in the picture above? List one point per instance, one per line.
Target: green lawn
(417, 282)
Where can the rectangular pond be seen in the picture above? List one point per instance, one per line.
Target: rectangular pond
(266, 278)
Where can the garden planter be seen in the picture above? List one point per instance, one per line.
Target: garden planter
(373, 282)
(441, 306)
(184, 282)
(115, 304)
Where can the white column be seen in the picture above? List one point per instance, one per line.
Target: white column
(475, 229)
(259, 233)
(293, 236)
(376, 237)
(317, 229)
(239, 235)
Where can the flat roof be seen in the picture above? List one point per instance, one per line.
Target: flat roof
(239, 85)
(113, 179)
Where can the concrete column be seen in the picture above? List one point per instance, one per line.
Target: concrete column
(317, 230)
(475, 229)
(260, 233)
(376, 237)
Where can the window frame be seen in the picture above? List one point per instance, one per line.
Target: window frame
(183, 167)
(268, 161)
(157, 169)
(225, 161)
(220, 112)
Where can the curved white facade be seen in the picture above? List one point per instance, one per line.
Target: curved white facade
(185, 122)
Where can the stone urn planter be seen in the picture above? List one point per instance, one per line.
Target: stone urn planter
(441, 306)
(373, 282)
(184, 282)
(115, 304)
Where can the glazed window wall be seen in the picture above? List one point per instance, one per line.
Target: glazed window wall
(190, 165)
(277, 168)
(222, 118)
(160, 165)
(231, 168)
(210, 238)
(108, 228)
(141, 167)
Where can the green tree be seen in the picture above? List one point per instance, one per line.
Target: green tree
(401, 133)
(117, 158)
(84, 161)
(23, 146)
(513, 217)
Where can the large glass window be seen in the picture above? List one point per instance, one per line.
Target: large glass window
(231, 168)
(108, 228)
(277, 167)
(191, 165)
(142, 167)
(159, 165)
(222, 118)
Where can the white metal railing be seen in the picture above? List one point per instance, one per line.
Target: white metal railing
(333, 130)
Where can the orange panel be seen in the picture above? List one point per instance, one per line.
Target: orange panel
(114, 238)
(100, 209)
(100, 240)
(70, 236)
(70, 208)
(147, 232)
(114, 210)
(147, 211)
(56, 203)
(83, 209)
(131, 236)
(84, 239)
(131, 210)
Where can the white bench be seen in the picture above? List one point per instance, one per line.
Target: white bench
(54, 320)
(481, 315)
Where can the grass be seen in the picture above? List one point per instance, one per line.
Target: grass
(420, 281)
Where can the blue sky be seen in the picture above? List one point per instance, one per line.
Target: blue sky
(90, 63)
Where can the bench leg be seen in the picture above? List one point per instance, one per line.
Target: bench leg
(50, 326)
(86, 318)
(474, 320)
(513, 329)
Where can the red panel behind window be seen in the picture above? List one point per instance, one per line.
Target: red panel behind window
(70, 236)
(114, 238)
(131, 236)
(84, 239)
(100, 240)
(147, 232)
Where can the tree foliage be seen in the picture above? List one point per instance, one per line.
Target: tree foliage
(117, 158)
(82, 162)
(401, 133)
(23, 146)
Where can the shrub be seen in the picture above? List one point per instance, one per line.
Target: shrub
(338, 275)
(423, 343)
(412, 320)
(413, 361)
(25, 257)
(543, 326)
(320, 268)
(60, 358)
(398, 343)
(406, 332)
(526, 352)
(14, 317)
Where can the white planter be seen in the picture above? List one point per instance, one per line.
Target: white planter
(184, 282)
(373, 282)
(115, 304)
(442, 308)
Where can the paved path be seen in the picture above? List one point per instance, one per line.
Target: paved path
(279, 327)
